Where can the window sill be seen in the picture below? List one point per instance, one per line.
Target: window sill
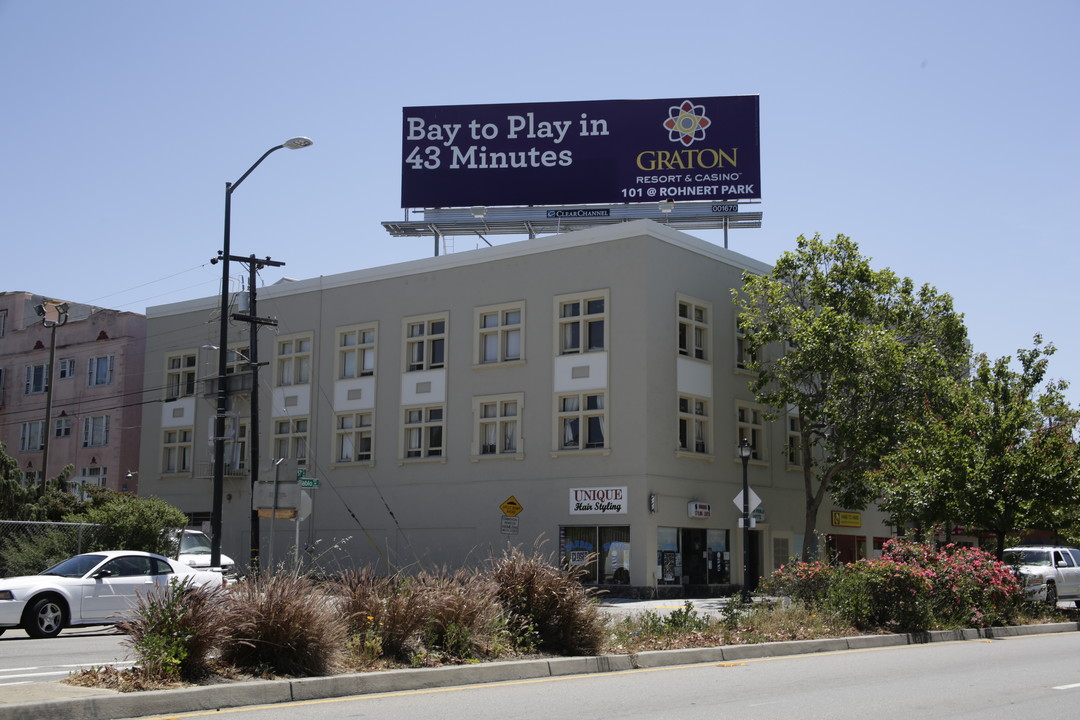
(498, 364)
(497, 456)
(578, 453)
(441, 460)
(342, 464)
(694, 455)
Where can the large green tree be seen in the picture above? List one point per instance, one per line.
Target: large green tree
(856, 350)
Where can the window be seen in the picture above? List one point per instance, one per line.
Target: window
(31, 478)
(236, 452)
(794, 441)
(62, 427)
(356, 353)
(93, 476)
(498, 431)
(582, 324)
(693, 424)
(693, 333)
(176, 451)
(424, 432)
(581, 421)
(744, 359)
(425, 344)
(294, 361)
(602, 552)
(3, 322)
(354, 435)
(180, 376)
(30, 438)
(100, 371)
(66, 368)
(751, 425)
(37, 379)
(499, 334)
(95, 431)
(290, 439)
(236, 360)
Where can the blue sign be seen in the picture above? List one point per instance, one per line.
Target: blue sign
(576, 153)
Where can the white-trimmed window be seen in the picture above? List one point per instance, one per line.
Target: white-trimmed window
(423, 436)
(99, 370)
(176, 451)
(425, 343)
(499, 334)
(582, 323)
(30, 436)
(290, 439)
(498, 428)
(354, 437)
(95, 431)
(794, 441)
(180, 376)
(744, 359)
(581, 421)
(751, 425)
(294, 361)
(65, 368)
(693, 333)
(236, 450)
(37, 379)
(693, 424)
(93, 476)
(237, 360)
(356, 352)
(62, 427)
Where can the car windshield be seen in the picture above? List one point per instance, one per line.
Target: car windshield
(76, 566)
(191, 544)
(1027, 557)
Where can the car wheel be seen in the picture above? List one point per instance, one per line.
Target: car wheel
(1051, 595)
(45, 619)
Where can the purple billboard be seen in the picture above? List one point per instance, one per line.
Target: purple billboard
(575, 153)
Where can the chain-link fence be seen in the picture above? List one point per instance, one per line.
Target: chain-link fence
(27, 548)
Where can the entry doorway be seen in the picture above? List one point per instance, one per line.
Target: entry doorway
(695, 565)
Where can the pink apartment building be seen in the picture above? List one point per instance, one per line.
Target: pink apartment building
(85, 410)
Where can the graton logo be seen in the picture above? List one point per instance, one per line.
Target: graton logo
(686, 123)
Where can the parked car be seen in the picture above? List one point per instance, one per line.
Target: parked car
(1049, 572)
(89, 589)
(195, 551)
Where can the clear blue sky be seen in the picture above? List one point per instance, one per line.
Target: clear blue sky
(944, 137)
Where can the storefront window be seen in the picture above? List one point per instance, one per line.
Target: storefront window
(603, 551)
(668, 557)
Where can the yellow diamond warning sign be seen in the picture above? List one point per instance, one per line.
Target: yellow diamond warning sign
(511, 507)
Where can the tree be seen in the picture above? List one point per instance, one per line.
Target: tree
(862, 351)
(1021, 456)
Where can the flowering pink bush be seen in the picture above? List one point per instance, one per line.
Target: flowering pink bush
(912, 587)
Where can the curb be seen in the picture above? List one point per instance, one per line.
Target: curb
(269, 692)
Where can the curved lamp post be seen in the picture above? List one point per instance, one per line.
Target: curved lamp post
(223, 355)
(745, 449)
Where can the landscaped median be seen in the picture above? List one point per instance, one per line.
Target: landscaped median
(268, 692)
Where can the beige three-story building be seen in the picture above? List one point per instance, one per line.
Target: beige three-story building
(588, 389)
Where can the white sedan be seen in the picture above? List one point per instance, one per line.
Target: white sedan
(89, 589)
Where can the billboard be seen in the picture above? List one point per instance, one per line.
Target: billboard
(579, 153)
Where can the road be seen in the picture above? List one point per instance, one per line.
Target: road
(1031, 676)
(23, 660)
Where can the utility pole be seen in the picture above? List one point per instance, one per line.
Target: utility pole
(254, 321)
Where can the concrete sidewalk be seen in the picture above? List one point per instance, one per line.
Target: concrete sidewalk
(49, 701)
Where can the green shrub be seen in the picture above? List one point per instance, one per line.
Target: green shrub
(32, 553)
(283, 624)
(176, 629)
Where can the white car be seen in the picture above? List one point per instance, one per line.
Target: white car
(1049, 572)
(89, 589)
(195, 550)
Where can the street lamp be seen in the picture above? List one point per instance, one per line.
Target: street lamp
(61, 320)
(223, 356)
(744, 452)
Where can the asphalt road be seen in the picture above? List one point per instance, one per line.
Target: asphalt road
(1000, 679)
(24, 660)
